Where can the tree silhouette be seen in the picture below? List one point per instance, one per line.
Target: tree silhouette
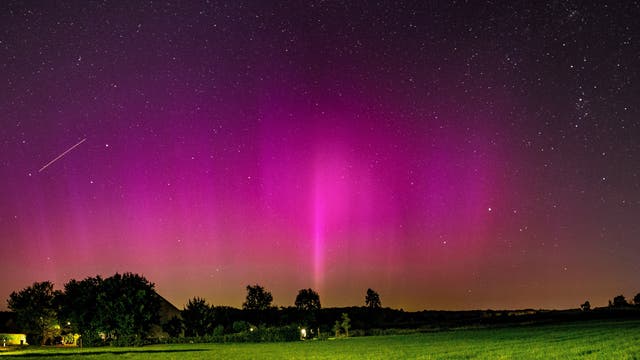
(257, 298)
(636, 299)
(173, 327)
(620, 301)
(342, 326)
(79, 308)
(307, 300)
(586, 306)
(122, 307)
(372, 300)
(346, 324)
(127, 307)
(35, 308)
(197, 318)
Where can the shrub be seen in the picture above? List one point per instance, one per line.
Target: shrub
(273, 334)
(91, 338)
(240, 326)
(128, 340)
(280, 334)
(218, 331)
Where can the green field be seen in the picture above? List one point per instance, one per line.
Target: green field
(585, 340)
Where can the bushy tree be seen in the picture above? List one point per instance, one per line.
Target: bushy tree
(307, 300)
(372, 299)
(197, 317)
(173, 327)
(257, 298)
(636, 299)
(620, 301)
(127, 306)
(79, 307)
(122, 307)
(586, 306)
(36, 309)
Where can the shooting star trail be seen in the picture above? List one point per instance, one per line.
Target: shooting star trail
(61, 155)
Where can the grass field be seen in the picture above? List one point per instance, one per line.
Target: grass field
(585, 340)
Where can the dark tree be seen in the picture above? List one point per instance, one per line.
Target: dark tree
(173, 327)
(78, 307)
(586, 306)
(307, 300)
(372, 300)
(346, 324)
(636, 299)
(225, 315)
(197, 318)
(620, 301)
(337, 328)
(35, 309)
(342, 326)
(127, 306)
(257, 298)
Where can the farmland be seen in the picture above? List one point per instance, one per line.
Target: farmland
(578, 340)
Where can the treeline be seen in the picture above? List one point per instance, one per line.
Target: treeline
(259, 320)
(125, 309)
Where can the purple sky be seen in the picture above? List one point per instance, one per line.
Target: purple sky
(447, 155)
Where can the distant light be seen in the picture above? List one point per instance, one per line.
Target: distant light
(490, 209)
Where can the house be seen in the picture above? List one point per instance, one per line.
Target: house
(166, 313)
(13, 339)
(9, 333)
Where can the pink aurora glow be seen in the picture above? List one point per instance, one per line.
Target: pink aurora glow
(432, 154)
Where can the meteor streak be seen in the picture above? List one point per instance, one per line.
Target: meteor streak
(61, 155)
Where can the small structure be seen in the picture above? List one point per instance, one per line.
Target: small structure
(13, 339)
(167, 311)
(10, 333)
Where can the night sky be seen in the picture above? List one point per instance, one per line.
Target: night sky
(449, 155)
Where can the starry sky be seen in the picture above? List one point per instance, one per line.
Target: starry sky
(448, 154)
